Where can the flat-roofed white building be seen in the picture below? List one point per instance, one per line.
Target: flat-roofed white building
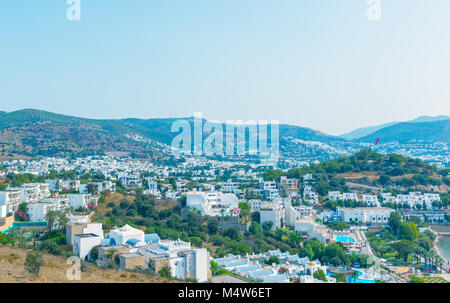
(288, 184)
(184, 261)
(211, 202)
(350, 197)
(69, 185)
(78, 200)
(304, 210)
(37, 211)
(371, 200)
(308, 226)
(365, 215)
(291, 213)
(83, 244)
(152, 186)
(255, 205)
(272, 212)
(122, 235)
(10, 198)
(334, 195)
(413, 199)
(29, 193)
(310, 195)
(229, 186)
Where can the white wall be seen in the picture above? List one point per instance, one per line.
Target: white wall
(202, 264)
(3, 211)
(83, 245)
(77, 200)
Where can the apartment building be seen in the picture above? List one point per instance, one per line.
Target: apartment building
(310, 195)
(184, 261)
(9, 201)
(37, 211)
(76, 201)
(272, 212)
(288, 184)
(336, 195)
(365, 215)
(371, 200)
(211, 203)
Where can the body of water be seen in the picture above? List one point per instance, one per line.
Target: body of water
(444, 246)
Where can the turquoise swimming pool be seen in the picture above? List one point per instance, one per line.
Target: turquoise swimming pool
(350, 279)
(7, 230)
(344, 239)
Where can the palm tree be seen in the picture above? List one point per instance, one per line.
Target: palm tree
(18, 239)
(35, 233)
(355, 276)
(63, 220)
(51, 217)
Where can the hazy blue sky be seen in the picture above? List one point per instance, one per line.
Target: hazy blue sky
(314, 63)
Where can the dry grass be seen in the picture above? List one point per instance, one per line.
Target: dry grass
(54, 270)
(359, 175)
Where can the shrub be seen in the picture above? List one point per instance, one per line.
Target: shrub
(34, 262)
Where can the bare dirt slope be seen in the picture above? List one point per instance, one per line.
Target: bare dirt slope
(54, 269)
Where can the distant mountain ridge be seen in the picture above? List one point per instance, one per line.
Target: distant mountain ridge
(366, 131)
(31, 132)
(38, 132)
(412, 132)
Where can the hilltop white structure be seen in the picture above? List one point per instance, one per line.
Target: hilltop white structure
(126, 233)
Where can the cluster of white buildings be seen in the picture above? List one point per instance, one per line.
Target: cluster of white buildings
(370, 200)
(364, 215)
(412, 200)
(39, 201)
(27, 193)
(134, 249)
(291, 267)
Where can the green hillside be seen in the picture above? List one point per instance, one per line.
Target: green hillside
(428, 132)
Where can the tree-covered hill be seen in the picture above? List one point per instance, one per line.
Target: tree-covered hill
(34, 132)
(369, 168)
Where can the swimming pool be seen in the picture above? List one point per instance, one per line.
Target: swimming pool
(344, 239)
(350, 279)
